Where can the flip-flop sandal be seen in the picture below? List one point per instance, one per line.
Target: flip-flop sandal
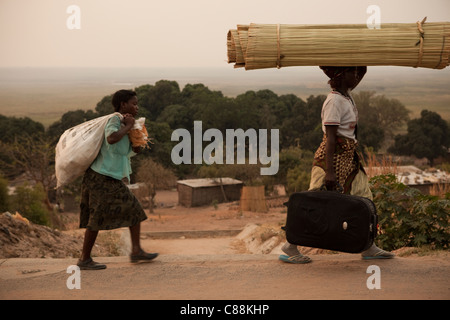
(90, 265)
(143, 256)
(379, 254)
(297, 259)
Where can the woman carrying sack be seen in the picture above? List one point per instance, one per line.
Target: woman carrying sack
(106, 202)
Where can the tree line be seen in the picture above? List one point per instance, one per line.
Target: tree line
(167, 107)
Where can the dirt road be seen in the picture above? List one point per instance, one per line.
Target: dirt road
(216, 268)
(229, 277)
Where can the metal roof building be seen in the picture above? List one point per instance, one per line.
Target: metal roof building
(199, 192)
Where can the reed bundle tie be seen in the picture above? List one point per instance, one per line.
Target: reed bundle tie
(420, 42)
(279, 55)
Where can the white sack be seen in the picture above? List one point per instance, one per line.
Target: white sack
(138, 123)
(78, 147)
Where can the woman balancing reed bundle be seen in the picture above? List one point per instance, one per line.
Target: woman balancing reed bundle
(422, 44)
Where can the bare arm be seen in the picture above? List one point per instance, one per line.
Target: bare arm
(330, 148)
(115, 137)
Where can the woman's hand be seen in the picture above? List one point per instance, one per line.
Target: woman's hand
(128, 120)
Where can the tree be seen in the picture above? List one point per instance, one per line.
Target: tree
(156, 177)
(160, 150)
(105, 106)
(12, 127)
(153, 99)
(198, 94)
(4, 201)
(427, 137)
(35, 156)
(379, 117)
(296, 164)
(68, 120)
(29, 202)
(177, 116)
(248, 110)
(303, 125)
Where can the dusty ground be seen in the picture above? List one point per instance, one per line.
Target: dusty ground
(162, 231)
(208, 253)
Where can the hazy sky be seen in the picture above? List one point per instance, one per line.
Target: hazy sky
(166, 33)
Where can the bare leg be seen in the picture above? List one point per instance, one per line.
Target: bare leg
(89, 239)
(137, 254)
(293, 255)
(290, 249)
(135, 232)
(86, 262)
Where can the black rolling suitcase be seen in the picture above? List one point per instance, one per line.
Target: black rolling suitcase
(331, 220)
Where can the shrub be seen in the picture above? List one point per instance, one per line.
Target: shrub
(29, 202)
(296, 165)
(155, 177)
(407, 217)
(3, 195)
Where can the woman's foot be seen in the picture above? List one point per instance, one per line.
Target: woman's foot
(143, 256)
(376, 253)
(297, 259)
(90, 264)
(293, 255)
(290, 249)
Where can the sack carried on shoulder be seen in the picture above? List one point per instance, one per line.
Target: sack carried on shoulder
(78, 147)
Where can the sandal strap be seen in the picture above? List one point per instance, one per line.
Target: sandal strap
(379, 253)
(299, 258)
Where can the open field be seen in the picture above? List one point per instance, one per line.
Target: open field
(45, 94)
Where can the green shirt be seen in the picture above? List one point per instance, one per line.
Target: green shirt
(113, 160)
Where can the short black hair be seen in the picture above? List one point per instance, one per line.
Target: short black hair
(121, 96)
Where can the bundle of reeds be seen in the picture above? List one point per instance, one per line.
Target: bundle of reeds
(421, 44)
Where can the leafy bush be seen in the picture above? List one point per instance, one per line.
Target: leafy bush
(295, 165)
(298, 179)
(3, 195)
(29, 202)
(407, 217)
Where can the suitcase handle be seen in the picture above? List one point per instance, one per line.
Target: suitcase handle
(339, 189)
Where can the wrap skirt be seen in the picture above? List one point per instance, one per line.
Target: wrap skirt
(107, 203)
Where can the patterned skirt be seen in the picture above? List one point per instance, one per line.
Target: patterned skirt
(107, 203)
(345, 161)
